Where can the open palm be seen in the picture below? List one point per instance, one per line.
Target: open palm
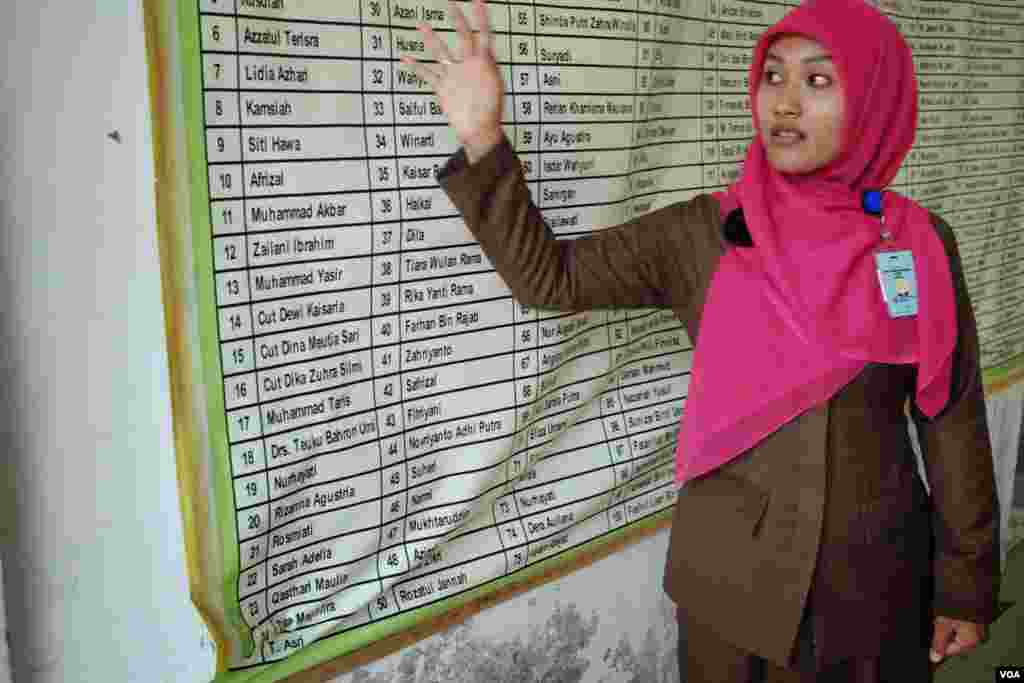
(470, 89)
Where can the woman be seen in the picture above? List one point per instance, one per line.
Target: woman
(819, 307)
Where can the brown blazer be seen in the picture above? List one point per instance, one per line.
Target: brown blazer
(828, 511)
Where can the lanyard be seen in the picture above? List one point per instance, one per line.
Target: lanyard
(896, 278)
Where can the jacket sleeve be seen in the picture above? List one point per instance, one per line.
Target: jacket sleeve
(646, 262)
(957, 455)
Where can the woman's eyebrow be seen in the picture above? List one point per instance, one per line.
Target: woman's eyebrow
(806, 60)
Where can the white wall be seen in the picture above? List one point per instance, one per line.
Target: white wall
(91, 531)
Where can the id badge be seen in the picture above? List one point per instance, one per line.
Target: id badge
(898, 282)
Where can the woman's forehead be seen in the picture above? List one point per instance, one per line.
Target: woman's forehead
(797, 46)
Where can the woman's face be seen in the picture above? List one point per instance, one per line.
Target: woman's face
(800, 106)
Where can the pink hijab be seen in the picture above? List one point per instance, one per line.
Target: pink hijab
(793, 319)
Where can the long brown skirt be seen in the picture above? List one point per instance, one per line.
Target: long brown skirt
(705, 658)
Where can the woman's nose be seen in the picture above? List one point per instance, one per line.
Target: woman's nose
(788, 102)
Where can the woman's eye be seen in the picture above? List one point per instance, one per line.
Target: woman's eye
(772, 77)
(819, 81)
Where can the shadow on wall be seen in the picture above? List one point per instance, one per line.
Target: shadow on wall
(9, 442)
(557, 651)
(1015, 532)
(1018, 481)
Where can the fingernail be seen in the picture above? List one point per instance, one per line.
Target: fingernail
(934, 656)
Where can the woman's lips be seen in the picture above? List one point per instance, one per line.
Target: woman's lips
(786, 136)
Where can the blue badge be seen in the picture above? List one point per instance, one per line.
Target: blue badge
(898, 282)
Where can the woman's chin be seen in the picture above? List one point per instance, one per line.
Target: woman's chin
(794, 165)
(800, 159)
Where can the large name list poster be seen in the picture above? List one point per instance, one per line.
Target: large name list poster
(372, 433)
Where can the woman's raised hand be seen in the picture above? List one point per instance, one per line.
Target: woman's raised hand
(468, 86)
